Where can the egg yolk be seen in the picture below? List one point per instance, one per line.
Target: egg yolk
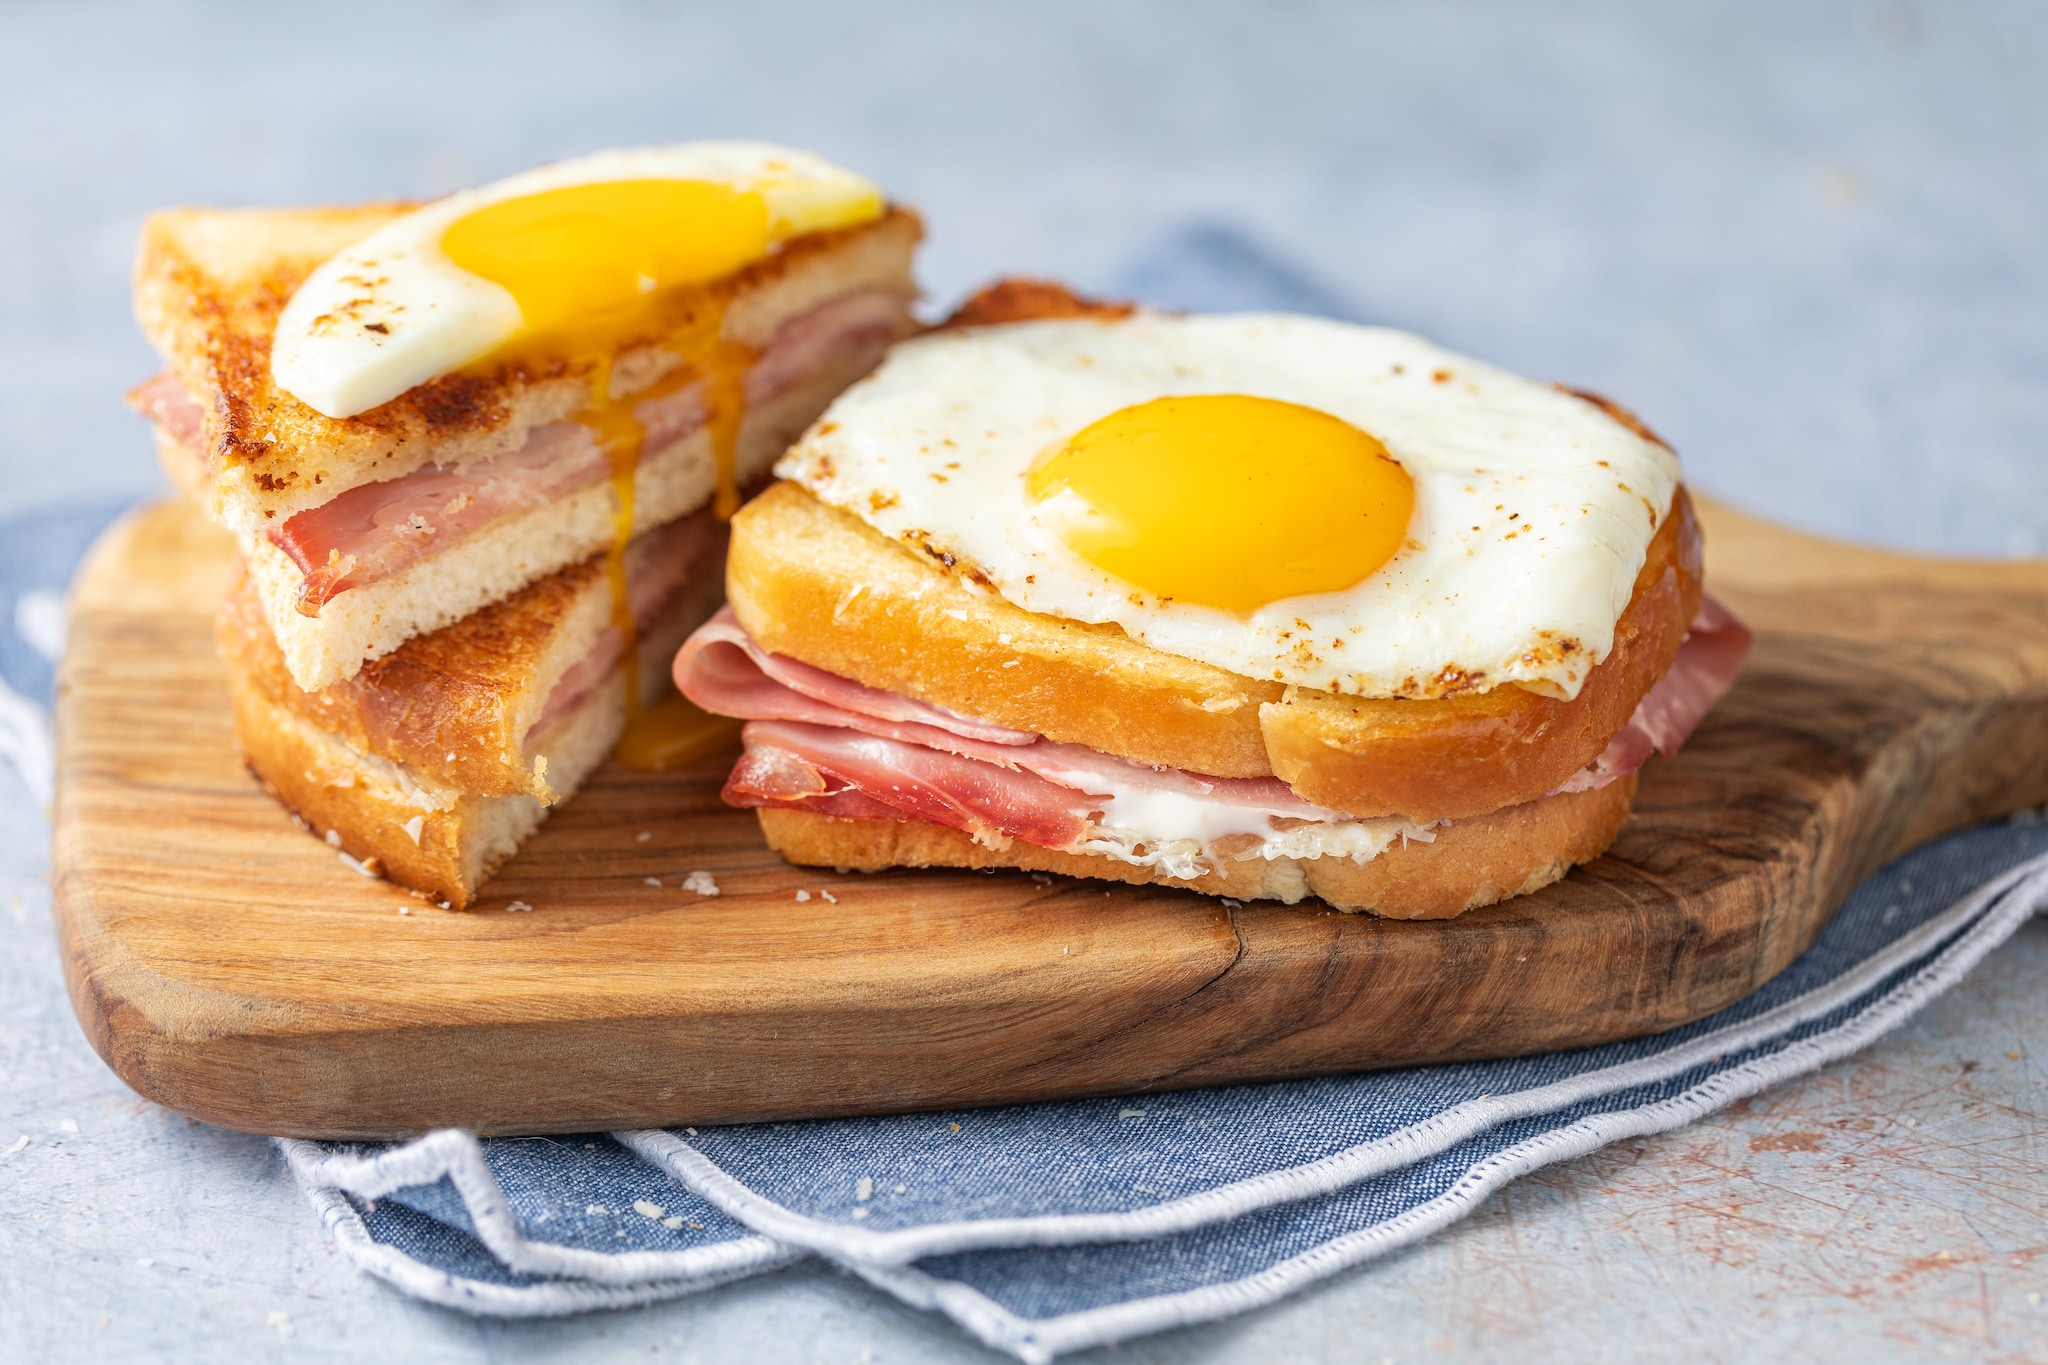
(1226, 500)
(587, 251)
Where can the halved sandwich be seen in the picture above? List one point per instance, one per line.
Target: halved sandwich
(435, 762)
(1265, 606)
(407, 412)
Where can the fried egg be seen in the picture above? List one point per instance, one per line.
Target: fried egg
(564, 258)
(1346, 508)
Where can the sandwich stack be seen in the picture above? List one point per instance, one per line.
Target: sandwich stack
(1263, 606)
(479, 454)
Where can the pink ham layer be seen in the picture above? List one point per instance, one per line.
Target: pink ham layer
(822, 743)
(679, 550)
(376, 531)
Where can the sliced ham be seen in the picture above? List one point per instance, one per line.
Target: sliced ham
(818, 742)
(724, 671)
(163, 400)
(788, 763)
(379, 530)
(677, 551)
(1669, 712)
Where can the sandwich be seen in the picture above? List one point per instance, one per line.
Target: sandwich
(435, 762)
(1264, 606)
(478, 455)
(407, 412)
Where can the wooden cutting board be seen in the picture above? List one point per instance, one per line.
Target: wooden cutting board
(228, 965)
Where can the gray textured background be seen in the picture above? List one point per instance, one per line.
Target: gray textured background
(1806, 241)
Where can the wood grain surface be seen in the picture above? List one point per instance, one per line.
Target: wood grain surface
(228, 965)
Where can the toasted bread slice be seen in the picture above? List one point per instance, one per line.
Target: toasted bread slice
(416, 825)
(462, 703)
(369, 622)
(820, 585)
(210, 283)
(1471, 863)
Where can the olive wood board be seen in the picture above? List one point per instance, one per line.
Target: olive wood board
(228, 965)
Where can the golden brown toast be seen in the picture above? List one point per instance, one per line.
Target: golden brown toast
(461, 703)
(210, 283)
(820, 585)
(1471, 863)
(414, 821)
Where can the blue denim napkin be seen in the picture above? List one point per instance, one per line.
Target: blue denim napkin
(1046, 1228)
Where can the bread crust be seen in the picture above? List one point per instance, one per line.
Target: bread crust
(1472, 862)
(210, 283)
(414, 822)
(462, 701)
(818, 584)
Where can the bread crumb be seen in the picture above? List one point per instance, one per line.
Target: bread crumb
(334, 838)
(803, 895)
(674, 1222)
(282, 1321)
(691, 1131)
(643, 836)
(1130, 1113)
(442, 904)
(954, 1126)
(516, 906)
(413, 827)
(859, 1214)
(830, 897)
(647, 1208)
(651, 881)
(20, 1144)
(1042, 878)
(594, 1210)
(367, 867)
(901, 1188)
(405, 909)
(702, 883)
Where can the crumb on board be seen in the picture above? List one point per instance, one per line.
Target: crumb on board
(517, 906)
(829, 897)
(651, 881)
(643, 836)
(703, 883)
(803, 895)
(366, 866)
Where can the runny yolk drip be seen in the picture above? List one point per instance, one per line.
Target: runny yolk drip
(674, 733)
(1226, 500)
(599, 266)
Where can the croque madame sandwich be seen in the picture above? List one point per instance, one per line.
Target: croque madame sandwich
(478, 454)
(1261, 605)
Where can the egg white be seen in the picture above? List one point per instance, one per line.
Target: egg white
(1534, 509)
(435, 317)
